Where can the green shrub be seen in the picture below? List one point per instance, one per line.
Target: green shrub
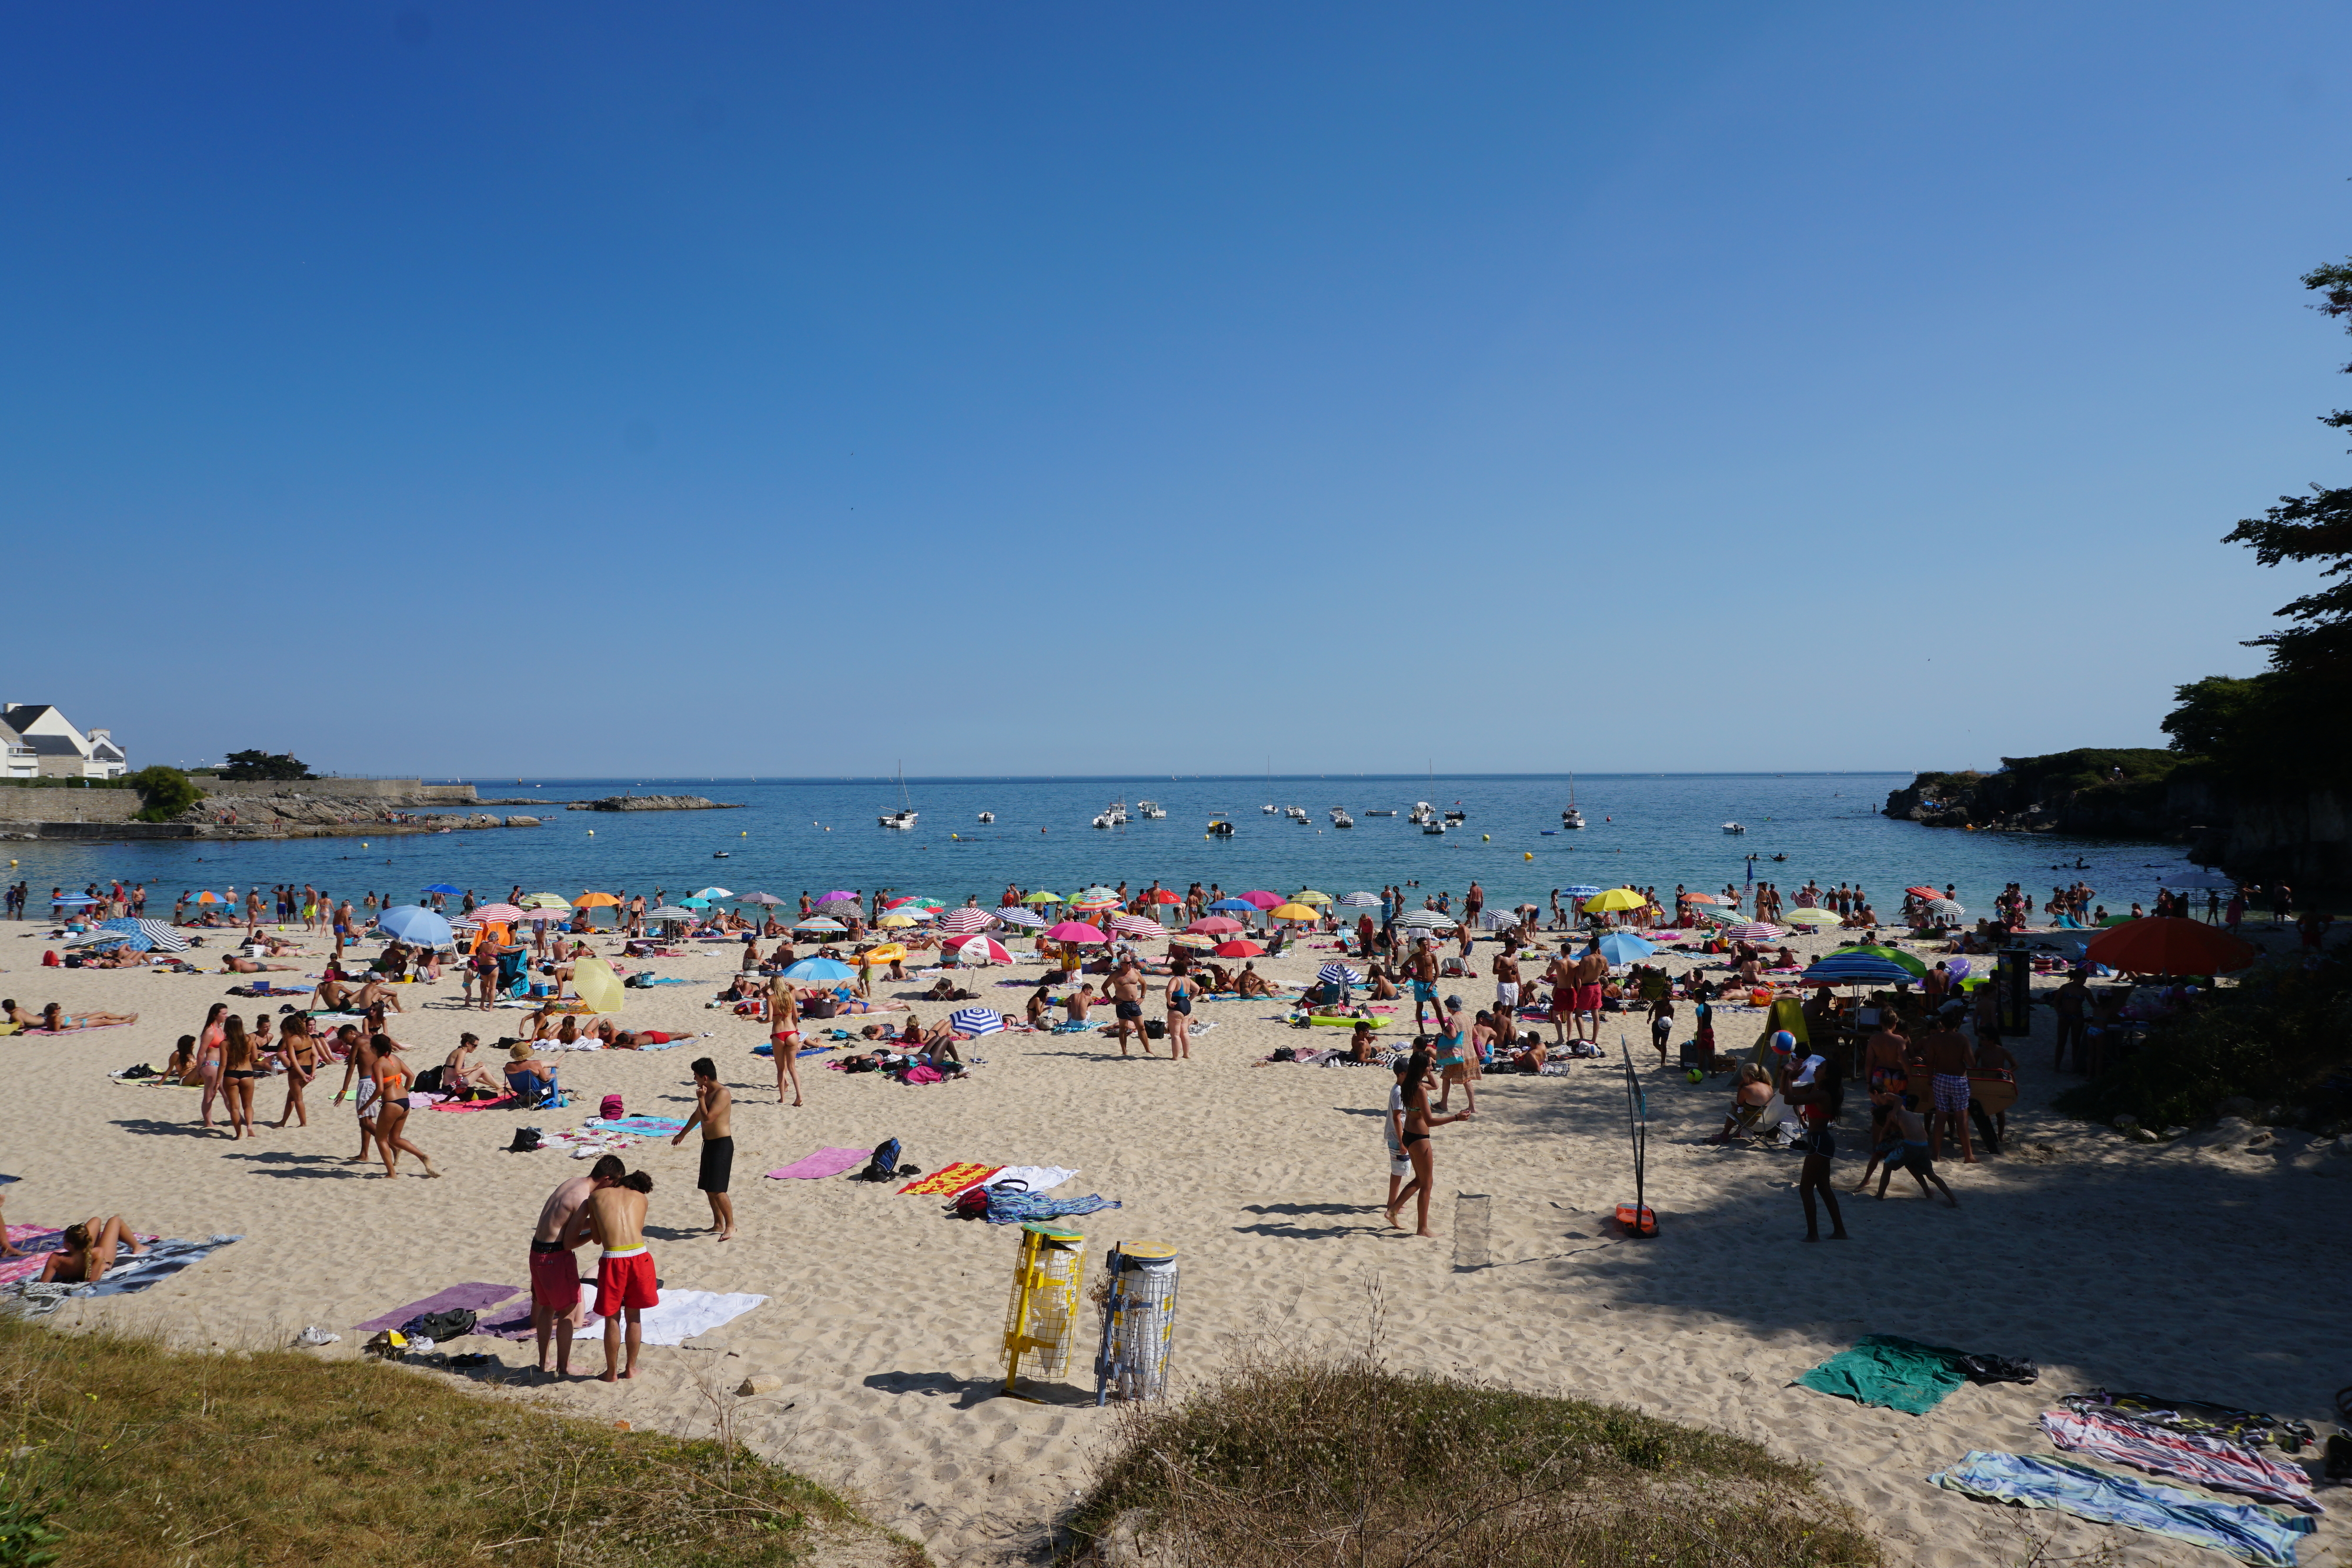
(163, 793)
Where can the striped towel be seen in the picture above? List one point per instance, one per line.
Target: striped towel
(2181, 1456)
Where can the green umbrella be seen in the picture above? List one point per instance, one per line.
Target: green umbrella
(1891, 955)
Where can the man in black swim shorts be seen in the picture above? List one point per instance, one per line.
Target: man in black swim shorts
(714, 1110)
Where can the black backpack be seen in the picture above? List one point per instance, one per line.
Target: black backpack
(884, 1165)
(439, 1327)
(525, 1142)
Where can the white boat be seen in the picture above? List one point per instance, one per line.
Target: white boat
(1733, 828)
(988, 816)
(1570, 817)
(1113, 816)
(1456, 816)
(1379, 813)
(1433, 828)
(1339, 818)
(1268, 808)
(1423, 812)
(903, 819)
(1296, 813)
(1150, 812)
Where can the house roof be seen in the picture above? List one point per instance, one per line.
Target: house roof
(51, 745)
(103, 748)
(20, 714)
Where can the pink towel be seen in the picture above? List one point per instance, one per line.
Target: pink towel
(823, 1162)
(475, 1295)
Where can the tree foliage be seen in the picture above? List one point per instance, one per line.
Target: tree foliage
(163, 793)
(247, 765)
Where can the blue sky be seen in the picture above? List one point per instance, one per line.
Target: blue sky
(596, 389)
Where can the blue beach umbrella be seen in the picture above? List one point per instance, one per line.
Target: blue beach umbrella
(413, 923)
(820, 970)
(1338, 975)
(444, 888)
(74, 899)
(1856, 969)
(1580, 890)
(1623, 947)
(1236, 904)
(150, 935)
(976, 1021)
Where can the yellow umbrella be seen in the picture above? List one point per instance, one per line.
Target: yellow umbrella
(598, 986)
(889, 953)
(597, 901)
(1292, 912)
(1615, 898)
(546, 901)
(1310, 897)
(897, 921)
(1813, 917)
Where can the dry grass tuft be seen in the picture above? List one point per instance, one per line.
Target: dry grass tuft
(1344, 1464)
(137, 1457)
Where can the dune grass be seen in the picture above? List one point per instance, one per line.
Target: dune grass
(122, 1453)
(1345, 1464)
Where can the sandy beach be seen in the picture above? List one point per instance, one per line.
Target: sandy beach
(2194, 1268)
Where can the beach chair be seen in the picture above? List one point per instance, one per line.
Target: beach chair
(514, 977)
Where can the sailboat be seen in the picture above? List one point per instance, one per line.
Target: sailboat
(1571, 817)
(903, 819)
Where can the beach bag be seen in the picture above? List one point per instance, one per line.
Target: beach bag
(884, 1165)
(439, 1327)
(970, 1204)
(610, 1109)
(1155, 1028)
(526, 1141)
(429, 1081)
(50, 959)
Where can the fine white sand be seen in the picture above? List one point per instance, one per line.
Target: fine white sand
(2192, 1268)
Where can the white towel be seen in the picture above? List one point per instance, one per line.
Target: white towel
(684, 1314)
(1039, 1177)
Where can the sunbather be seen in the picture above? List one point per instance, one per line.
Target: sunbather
(1747, 1102)
(462, 1068)
(55, 1018)
(236, 964)
(1250, 983)
(374, 992)
(89, 1252)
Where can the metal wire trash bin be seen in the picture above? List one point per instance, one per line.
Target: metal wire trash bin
(1040, 1325)
(1139, 1306)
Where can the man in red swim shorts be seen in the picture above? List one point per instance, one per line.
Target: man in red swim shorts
(554, 1271)
(626, 1282)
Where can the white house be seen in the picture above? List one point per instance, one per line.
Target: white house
(40, 741)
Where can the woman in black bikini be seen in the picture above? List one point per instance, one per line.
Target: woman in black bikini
(240, 1065)
(298, 1053)
(1180, 1011)
(1415, 1082)
(392, 1107)
(89, 1252)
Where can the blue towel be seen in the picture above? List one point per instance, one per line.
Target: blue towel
(1013, 1207)
(2243, 1530)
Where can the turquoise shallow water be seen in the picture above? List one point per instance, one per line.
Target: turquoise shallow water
(822, 834)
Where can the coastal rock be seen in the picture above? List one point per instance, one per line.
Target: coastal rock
(522, 821)
(654, 803)
(760, 1383)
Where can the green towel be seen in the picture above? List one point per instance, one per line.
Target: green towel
(1888, 1370)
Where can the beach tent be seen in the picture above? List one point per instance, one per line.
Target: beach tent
(2169, 946)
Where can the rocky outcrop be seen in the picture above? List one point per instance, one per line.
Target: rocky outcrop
(654, 803)
(2301, 837)
(2092, 793)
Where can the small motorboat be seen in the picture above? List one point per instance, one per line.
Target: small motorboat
(1221, 829)
(902, 821)
(1423, 812)
(1733, 828)
(988, 816)
(1113, 815)
(1435, 830)
(1149, 810)
(1457, 816)
(1269, 810)
(1296, 813)
(1339, 818)
(718, 854)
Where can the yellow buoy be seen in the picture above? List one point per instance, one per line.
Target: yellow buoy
(1530, 854)
(592, 833)
(1486, 838)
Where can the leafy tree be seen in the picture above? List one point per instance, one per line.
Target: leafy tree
(163, 793)
(245, 766)
(2216, 712)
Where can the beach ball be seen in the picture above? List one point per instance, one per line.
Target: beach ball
(1697, 1076)
(1783, 1041)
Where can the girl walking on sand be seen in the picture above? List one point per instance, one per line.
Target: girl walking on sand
(1417, 1121)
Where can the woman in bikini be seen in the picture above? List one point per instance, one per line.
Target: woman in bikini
(209, 1041)
(1415, 1121)
(240, 1064)
(89, 1252)
(392, 1078)
(1452, 1057)
(1180, 1010)
(299, 1054)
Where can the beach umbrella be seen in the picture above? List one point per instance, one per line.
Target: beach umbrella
(1215, 925)
(1014, 915)
(1086, 905)
(1752, 931)
(694, 903)
(1292, 912)
(1496, 919)
(916, 912)
(1623, 947)
(933, 904)
(159, 934)
(841, 908)
(1959, 968)
(2169, 946)
(499, 912)
(1722, 916)
(1813, 917)
(1137, 925)
(767, 898)
(443, 888)
(838, 892)
(967, 919)
(546, 901)
(715, 892)
(1359, 900)
(1614, 899)
(896, 920)
(1042, 897)
(1924, 891)
(411, 923)
(102, 937)
(980, 950)
(895, 902)
(1338, 975)
(75, 900)
(820, 970)
(541, 916)
(1192, 939)
(976, 1021)
(596, 984)
(1162, 895)
(1426, 920)
(1238, 950)
(1949, 908)
(1259, 898)
(819, 923)
(666, 911)
(1310, 897)
(1099, 891)
(596, 901)
(1700, 898)
(884, 953)
(1911, 965)
(1239, 906)
(1074, 931)
(1582, 890)
(1856, 969)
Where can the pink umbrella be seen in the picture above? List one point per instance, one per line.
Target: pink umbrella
(1263, 899)
(1215, 925)
(498, 911)
(837, 893)
(967, 919)
(1137, 925)
(1074, 931)
(979, 950)
(1754, 931)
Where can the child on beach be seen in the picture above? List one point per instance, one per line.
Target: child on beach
(1914, 1156)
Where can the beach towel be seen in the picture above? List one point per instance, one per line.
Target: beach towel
(82, 1029)
(1033, 1178)
(1889, 1371)
(471, 1105)
(643, 1127)
(681, 1316)
(2247, 1428)
(950, 1179)
(128, 1277)
(828, 1162)
(2181, 1456)
(1013, 1208)
(474, 1296)
(2244, 1529)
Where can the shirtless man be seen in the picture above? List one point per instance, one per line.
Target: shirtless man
(1887, 1069)
(236, 965)
(1250, 983)
(554, 1271)
(1944, 1051)
(1591, 973)
(784, 1036)
(1507, 989)
(1561, 974)
(1423, 966)
(1078, 1002)
(1126, 988)
(625, 1281)
(373, 993)
(714, 1110)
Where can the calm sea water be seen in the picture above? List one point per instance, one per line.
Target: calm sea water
(822, 834)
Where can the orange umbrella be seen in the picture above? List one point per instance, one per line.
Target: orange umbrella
(1700, 898)
(595, 901)
(2163, 946)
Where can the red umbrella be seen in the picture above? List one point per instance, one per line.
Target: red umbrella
(1924, 891)
(1074, 931)
(978, 950)
(1215, 925)
(1163, 896)
(1263, 899)
(2169, 946)
(1238, 950)
(1700, 898)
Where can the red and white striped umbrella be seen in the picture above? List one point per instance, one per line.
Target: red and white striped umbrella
(979, 950)
(967, 918)
(497, 912)
(1754, 931)
(1136, 926)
